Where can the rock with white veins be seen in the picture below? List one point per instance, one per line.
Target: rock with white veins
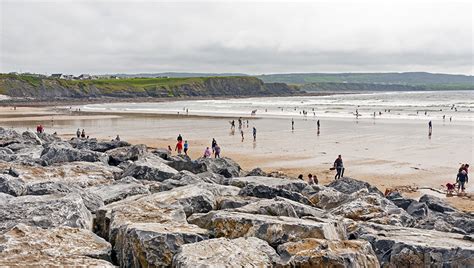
(311, 252)
(28, 244)
(150, 168)
(274, 230)
(223, 252)
(45, 211)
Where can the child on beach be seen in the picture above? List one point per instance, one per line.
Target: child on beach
(186, 147)
(207, 153)
(179, 146)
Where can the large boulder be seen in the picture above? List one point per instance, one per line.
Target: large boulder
(95, 145)
(265, 191)
(150, 168)
(410, 247)
(325, 197)
(223, 166)
(12, 185)
(370, 206)
(279, 206)
(182, 178)
(119, 190)
(45, 211)
(231, 202)
(91, 200)
(122, 154)
(311, 252)
(27, 245)
(399, 200)
(278, 183)
(274, 230)
(436, 204)
(223, 252)
(348, 186)
(31, 137)
(63, 152)
(153, 244)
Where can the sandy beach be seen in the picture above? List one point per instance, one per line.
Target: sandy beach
(387, 153)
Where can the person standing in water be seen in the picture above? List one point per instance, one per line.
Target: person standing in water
(242, 134)
(186, 147)
(292, 124)
(318, 124)
(254, 134)
(430, 128)
(339, 166)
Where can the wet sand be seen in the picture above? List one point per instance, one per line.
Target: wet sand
(385, 153)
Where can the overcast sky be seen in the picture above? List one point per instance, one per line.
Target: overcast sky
(132, 37)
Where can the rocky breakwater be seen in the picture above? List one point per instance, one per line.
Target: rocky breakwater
(94, 203)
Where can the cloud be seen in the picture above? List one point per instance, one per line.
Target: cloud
(109, 36)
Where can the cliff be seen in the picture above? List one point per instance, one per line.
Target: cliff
(22, 86)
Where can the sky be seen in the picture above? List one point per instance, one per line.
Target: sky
(99, 37)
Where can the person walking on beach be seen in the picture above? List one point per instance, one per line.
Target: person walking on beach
(217, 153)
(462, 179)
(186, 147)
(180, 138)
(232, 124)
(207, 153)
(78, 133)
(242, 134)
(318, 124)
(254, 134)
(213, 144)
(83, 134)
(339, 166)
(179, 146)
(292, 124)
(430, 128)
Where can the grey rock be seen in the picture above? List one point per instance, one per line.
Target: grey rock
(257, 172)
(122, 154)
(370, 206)
(348, 186)
(274, 230)
(264, 191)
(402, 247)
(210, 177)
(150, 168)
(34, 245)
(162, 153)
(5, 197)
(30, 136)
(230, 202)
(324, 197)
(95, 145)
(312, 252)
(45, 211)
(223, 166)
(154, 244)
(399, 200)
(12, 185)
(61, 152)
(91, 200)
(120, 190)
(6, 154)
(436, 204)
(417, 210)
(277, 183)
(223, 252)
(282, 207)
(48, 138)
(181, 178)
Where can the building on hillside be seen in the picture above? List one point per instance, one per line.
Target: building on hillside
(56, 76)
(84, 77)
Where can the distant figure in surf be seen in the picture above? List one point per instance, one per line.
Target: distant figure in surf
(254, 134)
(292, 124)
(430, 128)
(242, 134)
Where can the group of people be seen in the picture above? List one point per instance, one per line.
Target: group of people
(81, 134)
(216, 150)
(181, 146)
(461, 180)
(312, 179)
